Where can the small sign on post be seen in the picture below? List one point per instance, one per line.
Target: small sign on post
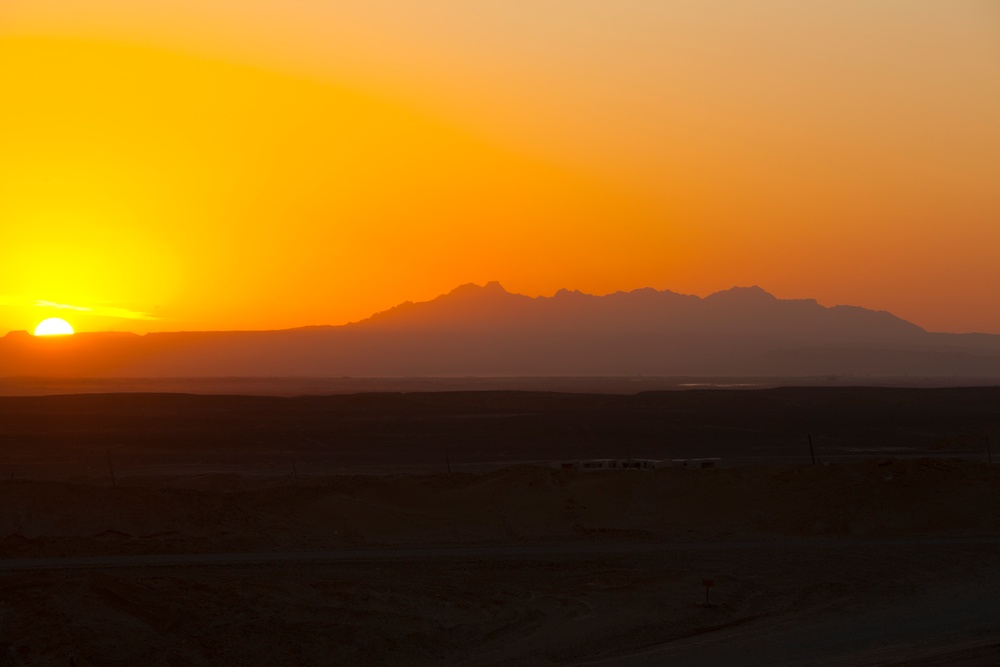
(707, 583)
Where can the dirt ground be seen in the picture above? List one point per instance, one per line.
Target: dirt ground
(874, 563)
(58, 437)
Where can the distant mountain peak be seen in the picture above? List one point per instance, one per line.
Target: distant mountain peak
(492, 287)
(567, 293)
(752, 294)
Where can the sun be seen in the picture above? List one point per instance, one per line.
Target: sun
(54, 326)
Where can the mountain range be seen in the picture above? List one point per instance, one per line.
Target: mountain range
(487, 331)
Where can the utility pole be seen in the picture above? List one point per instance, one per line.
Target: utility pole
(812, 452)
(111, 467)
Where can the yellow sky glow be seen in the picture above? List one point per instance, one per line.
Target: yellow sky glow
(262, 165)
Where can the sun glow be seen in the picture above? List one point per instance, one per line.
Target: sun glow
(54, 326)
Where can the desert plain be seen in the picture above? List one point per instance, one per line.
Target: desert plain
(838, 526)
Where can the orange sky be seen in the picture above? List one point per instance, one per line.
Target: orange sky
(259, 164)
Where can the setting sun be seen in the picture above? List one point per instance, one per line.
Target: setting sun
(54, 326)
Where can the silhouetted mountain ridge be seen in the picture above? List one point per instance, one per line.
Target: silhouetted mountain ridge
(751, 310)
(487, 331)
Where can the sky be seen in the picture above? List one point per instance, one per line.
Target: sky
(215, 165)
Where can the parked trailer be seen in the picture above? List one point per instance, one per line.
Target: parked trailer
(613, 464)
(697, 464)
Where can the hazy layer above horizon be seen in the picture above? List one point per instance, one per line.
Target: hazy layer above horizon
(487, 331)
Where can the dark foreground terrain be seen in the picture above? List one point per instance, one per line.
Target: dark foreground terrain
(328, 530)
(884, 562)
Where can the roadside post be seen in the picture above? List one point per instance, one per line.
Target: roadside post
(707, 583)
(111, 467)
